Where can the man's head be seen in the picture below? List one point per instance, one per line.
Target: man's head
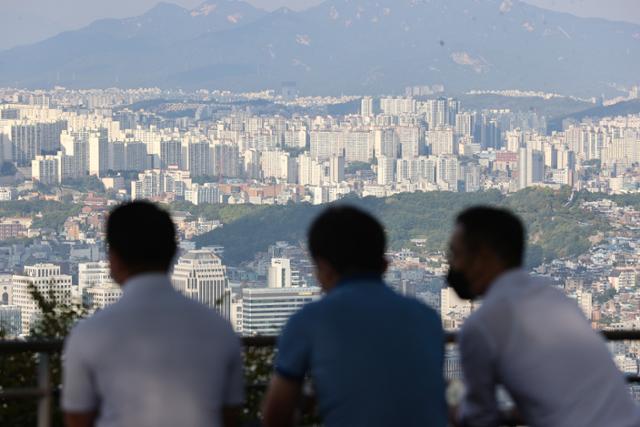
(486, 242)
(346, 241)
(141, 238)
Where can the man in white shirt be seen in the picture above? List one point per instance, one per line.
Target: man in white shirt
(527, 336)
(154, 358)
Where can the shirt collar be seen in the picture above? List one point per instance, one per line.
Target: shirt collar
(506, 282)
(146, 283)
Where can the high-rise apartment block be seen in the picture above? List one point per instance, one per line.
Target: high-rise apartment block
(46, 169)
(279, 274)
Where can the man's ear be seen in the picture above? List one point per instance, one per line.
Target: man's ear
(326, 274)
(385, 265)
(117, 268)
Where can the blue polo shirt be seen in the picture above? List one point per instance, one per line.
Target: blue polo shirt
(375, 357)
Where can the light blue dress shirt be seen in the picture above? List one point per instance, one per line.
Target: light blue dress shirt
(375, 357)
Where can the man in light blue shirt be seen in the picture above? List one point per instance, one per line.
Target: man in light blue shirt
(375, 357)
(154, 358)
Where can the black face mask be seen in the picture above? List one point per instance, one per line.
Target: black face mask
(458, 281)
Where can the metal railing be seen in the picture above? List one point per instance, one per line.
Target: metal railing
(45, 391)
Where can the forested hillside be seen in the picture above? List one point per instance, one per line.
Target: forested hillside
(557, 226)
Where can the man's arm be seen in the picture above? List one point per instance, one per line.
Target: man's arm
(80, 400)
(80, 419)
(281, 401)
(233, 398)
(291, 366)
(479, 407)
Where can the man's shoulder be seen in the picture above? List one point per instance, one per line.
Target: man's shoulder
(197, 313)
(98, 320)
(310, 311)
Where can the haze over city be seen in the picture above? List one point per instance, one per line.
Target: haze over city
(27, 21)
(243, 162)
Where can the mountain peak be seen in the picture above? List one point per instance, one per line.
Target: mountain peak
(474, 44)
(165, 8)
(283, 11)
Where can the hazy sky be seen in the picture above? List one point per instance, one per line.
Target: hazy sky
(27, 21)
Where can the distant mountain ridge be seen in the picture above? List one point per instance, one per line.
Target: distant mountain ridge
(339, 46)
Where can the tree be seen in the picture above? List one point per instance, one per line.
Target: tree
(354, 167)
(55, 322)
(8, 169)
(85, 184)
(20, 370)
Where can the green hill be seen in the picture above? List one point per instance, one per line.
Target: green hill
(557, 228)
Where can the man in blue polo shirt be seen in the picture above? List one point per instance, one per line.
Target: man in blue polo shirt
(374, 356)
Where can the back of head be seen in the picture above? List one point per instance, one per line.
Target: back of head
(349, 239)
(497, 229)
(143, 236)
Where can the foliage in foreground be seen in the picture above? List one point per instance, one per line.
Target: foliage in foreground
(20, 370)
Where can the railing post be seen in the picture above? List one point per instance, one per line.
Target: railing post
(44, 385)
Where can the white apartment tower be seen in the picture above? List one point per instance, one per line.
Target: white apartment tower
(336, 169)
(366, 106)
(46, 169)
(530, 167)
(386, 167)
(279, 275)
(442, 141)
(98, 153)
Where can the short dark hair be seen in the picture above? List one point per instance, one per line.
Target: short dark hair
(142, 235)
(499, 229)
(351, 240)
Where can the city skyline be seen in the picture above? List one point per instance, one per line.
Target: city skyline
(239, 162)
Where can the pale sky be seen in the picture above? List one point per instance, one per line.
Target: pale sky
(28, 21)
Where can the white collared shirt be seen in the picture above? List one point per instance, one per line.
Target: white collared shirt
(535, 341)
(153, 359)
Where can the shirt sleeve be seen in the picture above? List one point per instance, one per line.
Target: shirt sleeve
(79, 393)
(234, 389)
(292, 360)
(479, 407)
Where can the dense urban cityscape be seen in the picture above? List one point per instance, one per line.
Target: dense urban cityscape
(194, 193)
(68, 156)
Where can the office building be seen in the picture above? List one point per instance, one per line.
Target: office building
(101, 295)
(266, 310)
(200, 275)
(45, 279)
(93, 273)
